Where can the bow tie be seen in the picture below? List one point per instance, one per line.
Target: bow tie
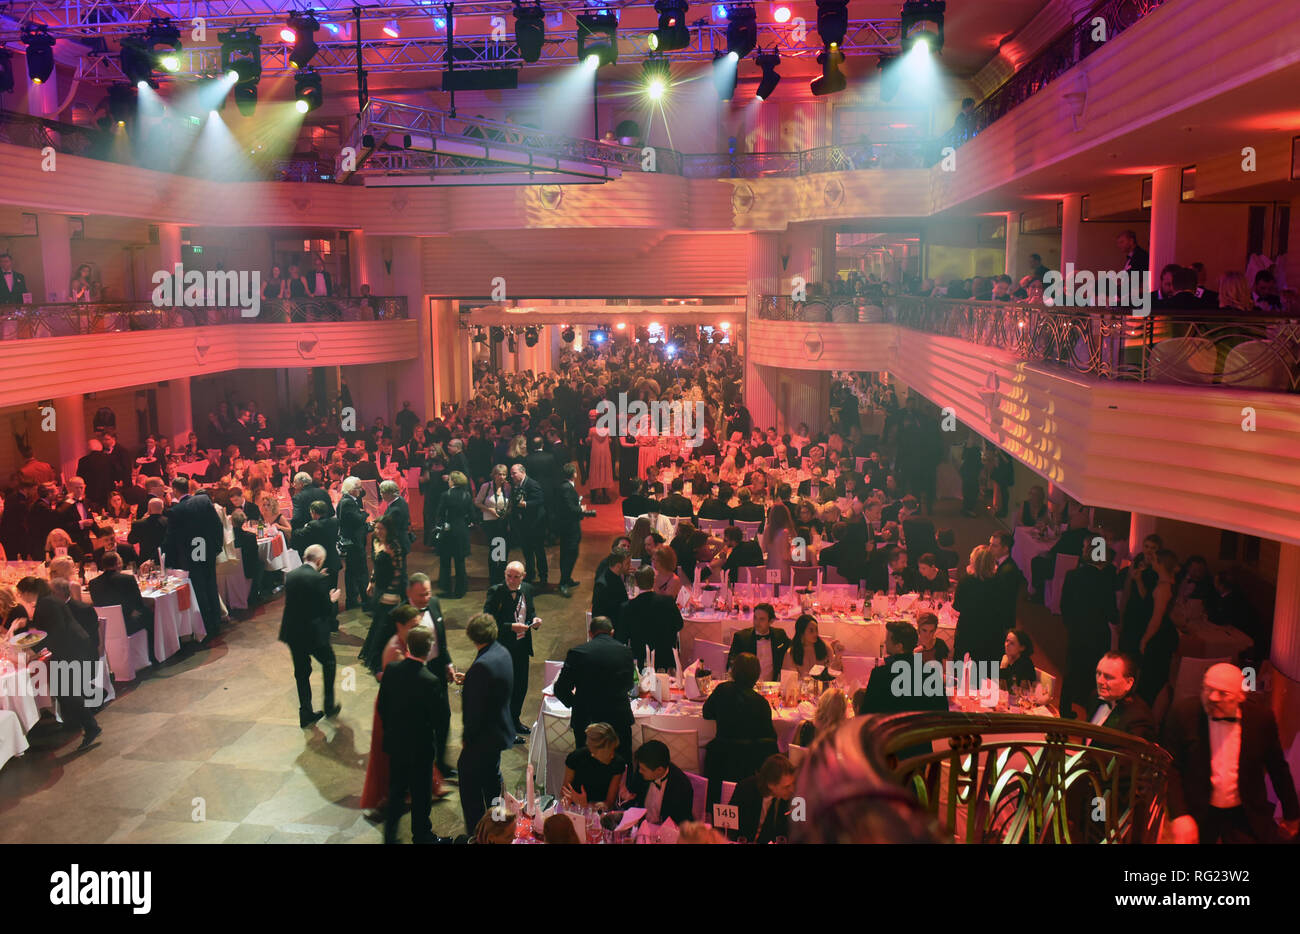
(767, 636)
(1226, 719)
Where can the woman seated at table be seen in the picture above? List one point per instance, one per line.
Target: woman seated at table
(664, 563)
(64, 567)
(592, 774)
(832, 710)
(117, 507)
(1017, 664)
(929, 577)
(269, 505)
(640, 534)
(807, 648)
(1034, 509)
(745, 735)
(60, 542)
(11, 611)
(806, 524)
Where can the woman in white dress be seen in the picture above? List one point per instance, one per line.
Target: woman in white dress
(600, 474)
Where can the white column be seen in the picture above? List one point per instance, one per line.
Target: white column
(1166, 196)
(70, 423)
(1139, 527)
(178, 411)
(1286, 613)
(1011, 265)
(56, 255)
(1071, 219)
(764, 278)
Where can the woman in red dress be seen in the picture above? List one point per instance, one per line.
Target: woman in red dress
(374, 793)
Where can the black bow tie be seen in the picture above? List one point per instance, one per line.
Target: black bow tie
(1226, 719)
(764, 636)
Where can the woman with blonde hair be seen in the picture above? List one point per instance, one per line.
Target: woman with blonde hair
(979, 631)
(593, 773)
(1234, 293)
(832, 710)
(269, 506)
(65, 568)
(59, 539)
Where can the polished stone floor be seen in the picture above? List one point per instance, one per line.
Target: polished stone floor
(207, 748)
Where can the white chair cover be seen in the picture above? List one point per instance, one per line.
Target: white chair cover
(714, 526)
(125, 655)
(712, 655)
(683, 745)
(859, 640)
(559, 743)
(802, 577)
(748, 529)
(552, 672)
(858, 667)
(232, 585)
(700, 790)
(1047, 681)
(796, 754)
(628, 522)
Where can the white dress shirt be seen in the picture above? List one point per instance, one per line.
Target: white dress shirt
(1225, 755)
(429, 621)
(763, 649)
(654, 800)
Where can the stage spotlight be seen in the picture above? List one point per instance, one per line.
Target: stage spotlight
(831, 80)
(567, 335)
(6, 71)
(922, 22)
(241, 56)
(767, 84)
(673, 33)
(302, 27)
(122, 102)
(725, 74)
(742, 31)
(781, 14)
(480, 337)
(135, 61)
(598, 38)
(530, 30)
(599, 336)
(656, 75)
(530, 336)
(40, 52)
(392, 30)
(832, 21)
(891, 76)
(307, 91)
(511, 343)
(162, 32)
(498, 334)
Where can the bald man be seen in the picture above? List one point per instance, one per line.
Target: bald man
(1223, 746)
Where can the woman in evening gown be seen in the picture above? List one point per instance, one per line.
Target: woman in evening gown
(600, 474)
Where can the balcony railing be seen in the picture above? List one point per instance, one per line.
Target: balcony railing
(1195, 348)
(22, 322)
(981, 778)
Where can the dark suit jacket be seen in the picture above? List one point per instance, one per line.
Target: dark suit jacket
(1186, 737)
(88, 620)
(365, 470)
(352, 523)
(96, 468)
(118, 589)
(746, 641)
(438, 664)
(805, 489)
(13, 296)
(485, 702)
(69, 515)
(881, 697)
(679, 797)
(408, 699)
(194, 517)
(595, 682)
(1009, 580)
(677, 506)
(400, 511)
(302, 501)
(651, 620)
(308, 612)
(65, 639)
(527, 518)
(1130, 715)
(748, 799)
(250, 556)
(915, 581)
(147, 535)
(323, 532)
(608, 597)
(501, 606)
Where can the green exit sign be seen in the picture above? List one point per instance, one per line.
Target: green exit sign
(196, 249)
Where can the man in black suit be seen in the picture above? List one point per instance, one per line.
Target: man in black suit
(364, 468)
(1009, 578)
(892, 687)
(305, 628)
(763, 801)
(541, 465)
(1209, 800)
(13, 285)
(595, 682)
(675, 504)
(511, 605)
(639, 502)
(149, 533)
(927, 577)
(388, 459)
(83, 613)
(120, 458)
(212, 471)
(1088, 611)
(244, 505)
(526, 513)
(746, 510)
(651, 621)
(567, 523)
(42, 519)
(396, 506)
(67, 643)
(306, 492)
(115, 587)
(408, 705)
(609, 593)
(419, 594)
(250, 556)
(659, 786)
(96, 468)
(353, 529)
(736, 553)
(323, 530)
(761, 640)
(715, 504)
(885, 571)
(1116, 705)
(194, 538)
(1135, 258)
(813, 487)
(74, 515)
(486, 720)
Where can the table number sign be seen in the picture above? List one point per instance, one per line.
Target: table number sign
(726, 817)
(774, 576)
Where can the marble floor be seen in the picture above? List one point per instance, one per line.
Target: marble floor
(206, 748)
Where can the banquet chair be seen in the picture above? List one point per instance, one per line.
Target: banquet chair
(859, 640)
(126, 655)
(748, 529)
(714, 526)
(1052, 589)
(1049, 682)
(232, 585)
(858, 667)
(107, 681)
(700, 794)
(683, 745)
(796, 754)
(628, 522)
(756, 575)
(559, 743)
(374, 505)
(552, 672)
(713, 657)
(802, 577)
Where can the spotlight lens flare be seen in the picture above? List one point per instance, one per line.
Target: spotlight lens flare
(300, 106)
(288, 36)
(171, 63)
(733, 56)
(782, 14)
(592, 62)
(655, 89)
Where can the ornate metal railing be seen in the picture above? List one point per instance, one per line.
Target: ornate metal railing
(981, 778)
(23, 322)
(1195, 348)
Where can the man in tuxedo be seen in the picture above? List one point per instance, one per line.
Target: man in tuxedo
(595, 682)
(83, 613)
(1088, 611)
(715, 504)
(541, 465)
(1009, 578)
(120, 457)
(396, 506)
(323, 530)
(114, 587)
(763, 641)
(1135, 258)
(1223, 746)
(96, 468)
(886, 571)
(244, 505)
(387, 459)
(527, 509)
(927, 577)
(306, 492)
(1116, 705)
(746, 510)
(567, 522)
(812, 488)
(68, 643)
(609, 593)
(353, 529)
(138, 494)
(486, 718)
(736, 553)
(407, 705)
(638, 502)
(74, 515)
(149, 533)
(194, 538)
(13, 285)
(250, 555)
(763, 801)
(305, 628)
(511, 605)
(651, 621)
(419, 594)
(660, 787)
(675, 504)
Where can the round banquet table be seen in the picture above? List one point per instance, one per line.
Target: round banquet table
(175, 614)
(13, 740)
(18, 697)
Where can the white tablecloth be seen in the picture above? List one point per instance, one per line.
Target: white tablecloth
(13, 741)
(17, 696)
(175, 614)
(860, 636)
(277, 557)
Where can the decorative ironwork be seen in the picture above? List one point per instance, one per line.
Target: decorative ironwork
(989, 778)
